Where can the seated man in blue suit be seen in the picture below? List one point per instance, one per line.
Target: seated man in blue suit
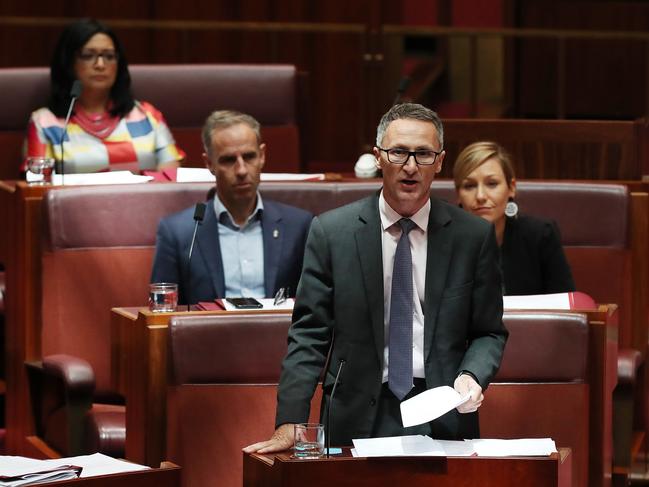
(246, 246)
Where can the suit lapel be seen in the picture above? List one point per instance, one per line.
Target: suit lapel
(207, 240)
(438, 258)
(272, 229)
(369, 249)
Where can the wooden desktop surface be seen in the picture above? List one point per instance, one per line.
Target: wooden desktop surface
(281, 470)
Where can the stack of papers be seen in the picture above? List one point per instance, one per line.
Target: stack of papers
(571, 300)
(419, 445)
(524, 447)
(203, 175)
(25, 473)
(17, 471)
(82, 179)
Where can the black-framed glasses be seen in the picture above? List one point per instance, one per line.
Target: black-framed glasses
(422, 157)
(91, 57)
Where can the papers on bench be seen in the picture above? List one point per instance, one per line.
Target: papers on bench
(17, 471)
(558, 301)
(83, 179)
(419, 445)
(203, 175)
(430, 405)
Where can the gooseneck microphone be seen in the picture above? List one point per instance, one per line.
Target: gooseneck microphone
(75, 91)
(331, 404)
(199, 214)
(403, 86)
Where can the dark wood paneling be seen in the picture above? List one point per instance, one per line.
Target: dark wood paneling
(603, 79)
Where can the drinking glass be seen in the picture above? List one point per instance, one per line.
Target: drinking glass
(309, 440)
(163, 297)
(41, 168)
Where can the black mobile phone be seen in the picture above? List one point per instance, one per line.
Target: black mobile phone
(245, 303)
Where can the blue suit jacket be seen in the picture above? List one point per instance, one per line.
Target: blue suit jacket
(284, 230)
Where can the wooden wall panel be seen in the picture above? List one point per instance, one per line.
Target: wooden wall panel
(603, 79)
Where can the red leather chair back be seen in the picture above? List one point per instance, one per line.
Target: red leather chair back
(546, 358)
(224, 371)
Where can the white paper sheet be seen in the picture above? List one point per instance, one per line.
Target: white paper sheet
(414, 445)
(521, 447)
(430, 405)
(267, 303)
(194, 175)
(99, 464)
(538, 301)
(202, 175)
(111, 177)
(285, 176)
(96, 464)
(418, 445)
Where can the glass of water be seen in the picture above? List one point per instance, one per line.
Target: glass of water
(163, 297)
(309, 440)
(41, 169)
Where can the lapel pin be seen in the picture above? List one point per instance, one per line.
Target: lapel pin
(275, 233)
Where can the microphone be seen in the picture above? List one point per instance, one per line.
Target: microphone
(331, 403)
(199, 214)
(75, 91)
(403, 85)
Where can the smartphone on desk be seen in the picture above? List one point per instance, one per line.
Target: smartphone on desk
(245, 303)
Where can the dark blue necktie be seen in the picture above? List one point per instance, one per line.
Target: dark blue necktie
(400, 331)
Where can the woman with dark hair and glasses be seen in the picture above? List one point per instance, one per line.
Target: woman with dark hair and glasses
(108, 129)
(531, 256)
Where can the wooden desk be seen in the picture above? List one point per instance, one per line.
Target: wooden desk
(140, 364)
(281, 470)
(139, 372)
(168, 475)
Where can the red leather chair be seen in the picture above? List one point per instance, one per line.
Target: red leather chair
(224, 370)
(542, 387)
(223, 375)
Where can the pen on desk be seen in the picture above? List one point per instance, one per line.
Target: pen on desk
(280, 296)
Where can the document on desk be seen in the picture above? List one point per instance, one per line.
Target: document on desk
(430, 405)
(409, 446)
(110, 177)
(521, 447)
(196, 174)
(17, 471)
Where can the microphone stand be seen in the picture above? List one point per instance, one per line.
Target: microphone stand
(75, 91)
(199, 214)
(331, 403)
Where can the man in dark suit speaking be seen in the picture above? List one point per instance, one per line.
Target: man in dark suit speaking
(246, 246)
(405, 289)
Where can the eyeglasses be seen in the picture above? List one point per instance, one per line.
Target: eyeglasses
(91, 57)
(401, 156)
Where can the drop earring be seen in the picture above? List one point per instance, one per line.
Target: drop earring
(511, 209)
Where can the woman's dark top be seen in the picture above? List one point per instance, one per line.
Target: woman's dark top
(532, 258)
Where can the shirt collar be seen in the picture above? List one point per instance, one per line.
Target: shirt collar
(225, 217)
(389, 216)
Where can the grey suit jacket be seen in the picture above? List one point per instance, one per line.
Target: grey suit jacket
(341, 294)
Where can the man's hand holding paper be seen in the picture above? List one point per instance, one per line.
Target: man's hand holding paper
(466, 385)
(430, 405)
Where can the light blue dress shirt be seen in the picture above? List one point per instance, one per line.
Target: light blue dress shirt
(242, 252)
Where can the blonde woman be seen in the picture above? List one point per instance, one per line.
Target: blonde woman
(531, 257)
